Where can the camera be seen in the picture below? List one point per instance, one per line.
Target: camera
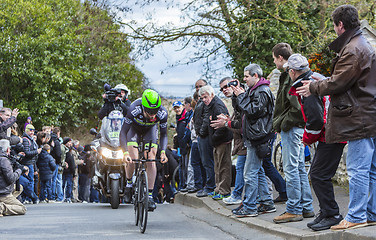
(111, 93)
(232, 83)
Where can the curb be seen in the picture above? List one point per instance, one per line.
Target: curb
(280, 230)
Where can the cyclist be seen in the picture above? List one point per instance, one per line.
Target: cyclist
(142, 119)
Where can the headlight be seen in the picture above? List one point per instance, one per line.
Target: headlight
(107, 153)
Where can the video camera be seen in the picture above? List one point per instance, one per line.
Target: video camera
(111, 93)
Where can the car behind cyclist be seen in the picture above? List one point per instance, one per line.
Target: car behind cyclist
(142, 118)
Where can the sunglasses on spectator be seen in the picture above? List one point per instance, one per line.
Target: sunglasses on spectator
(223, 88)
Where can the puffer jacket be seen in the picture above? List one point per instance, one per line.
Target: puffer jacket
(287, 113)
(30, 149)
(257, 105)
(352, 89)
(46, 165)
(7, 176)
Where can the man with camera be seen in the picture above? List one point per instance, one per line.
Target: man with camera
(9, 205)
(7, 119)
(115, 98)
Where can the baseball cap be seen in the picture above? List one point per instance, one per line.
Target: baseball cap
(29, 127)
(297, 62)
(177, 104)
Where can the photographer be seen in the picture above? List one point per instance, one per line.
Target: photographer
(7, 119)
(115, 98)
(9, 205)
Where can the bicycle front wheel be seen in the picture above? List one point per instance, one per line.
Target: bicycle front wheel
(143, 201)
(136, 203)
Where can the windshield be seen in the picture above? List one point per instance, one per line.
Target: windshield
(110, 129)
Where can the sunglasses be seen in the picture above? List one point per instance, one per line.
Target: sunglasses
(223, 88)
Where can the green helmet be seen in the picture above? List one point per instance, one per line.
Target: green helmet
(151, 101)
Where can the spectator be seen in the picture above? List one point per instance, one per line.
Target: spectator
(220, 139)
(78, 161)
(69, 171)
(31, 155)
(122, 103)
(256, 105)
(7, 119)
(28, 121)
(239, 149)
(201, 125)
(84, 173)
(46, 165)
(352, 111)
(9, 205)
(327, 156)
(288, 121)
(57, 182)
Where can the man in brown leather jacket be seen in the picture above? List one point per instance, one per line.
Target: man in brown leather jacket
(352, 113)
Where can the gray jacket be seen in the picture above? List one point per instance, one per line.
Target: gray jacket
(7, 176)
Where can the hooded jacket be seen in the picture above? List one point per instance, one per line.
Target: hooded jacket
(46, 165)
(257, 105)
(352, 89)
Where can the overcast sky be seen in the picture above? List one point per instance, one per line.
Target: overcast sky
(177, 81)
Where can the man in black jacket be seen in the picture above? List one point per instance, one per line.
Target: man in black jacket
(69, 172)
(121, 103)
(201, 123)
(9, 205)
(220, 139)
(7, 119)
(57, 183)
(256, 105)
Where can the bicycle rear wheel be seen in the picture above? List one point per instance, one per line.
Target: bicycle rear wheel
(143, 201)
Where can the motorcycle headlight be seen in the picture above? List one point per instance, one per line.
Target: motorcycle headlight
(107, 153)
(118, 154)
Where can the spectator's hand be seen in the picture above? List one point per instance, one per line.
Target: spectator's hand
(225, 117)
(22, 153)
(52, 144)
(35, 173)
(15, 112)
(219, 123)
(127, 158)
(304, 90)
(164, 158)
(26, 170)
(237, 90)
(66, 165)
(81, 162)
(39, 150)
(104, 96)
(20, 139)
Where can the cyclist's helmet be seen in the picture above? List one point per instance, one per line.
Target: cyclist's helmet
(151, 101)
(124, 88)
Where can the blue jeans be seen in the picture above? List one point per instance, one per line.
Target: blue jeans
(239, 178)
(53, 183)
(207, 158)
(59, 187)
(297, 185)
(361, 168)
(45, 189)
(94, 195)
(68, 185)
(28, 190)
(196, 165)
(255, 181)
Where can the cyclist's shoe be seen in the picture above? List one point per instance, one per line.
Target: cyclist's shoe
(152, 205)
(128, 195)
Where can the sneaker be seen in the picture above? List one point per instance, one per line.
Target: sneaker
(237, 208)
(51, 201)
(231, 200)
(36, 201)
(266, 209)
(326, 223)
(243, 213)
(288, 217)
(371, 223)
(193, 190)
(58, 201)
(211, 194)
(184, 190)
(43, 201)
(68, 200)
(344, 224)
(280, 199)
(201, 193)
(308, 214)
(318, 219)
(219, 196)
(152, 205)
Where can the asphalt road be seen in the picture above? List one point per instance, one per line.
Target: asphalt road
(99, 221)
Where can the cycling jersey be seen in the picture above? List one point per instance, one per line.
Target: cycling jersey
(136, 123)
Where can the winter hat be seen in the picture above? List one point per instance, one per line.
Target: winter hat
(66, 140)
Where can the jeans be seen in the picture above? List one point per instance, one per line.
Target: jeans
(255, 181)
(53, 182)
(84, 187)
(68, 185)
(190, 182)
(198, 168)
(361, 168)
(207, 158)
(239, 178)
(28, 190)
(297, 185)
(59, 187)
(45, 189)
(94, 195)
